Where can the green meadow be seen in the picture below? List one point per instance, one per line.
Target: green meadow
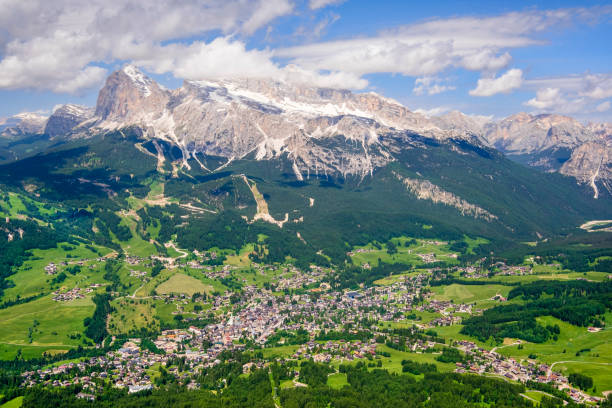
(181, 283)
(337, 380)
(409, 255)
(479, 294)
(131, 315)
(44, 324)
(31, 278)
(582, 351)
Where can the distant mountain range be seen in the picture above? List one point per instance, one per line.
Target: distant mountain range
(269, 119)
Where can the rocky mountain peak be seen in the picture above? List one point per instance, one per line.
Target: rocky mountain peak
(128, 93)
(66, 118)
(525, 134)
(22, 123)
(456, 120)
(602, 130)
(520, 117)
(320, 130)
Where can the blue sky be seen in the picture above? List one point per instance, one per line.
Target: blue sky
(480, 57)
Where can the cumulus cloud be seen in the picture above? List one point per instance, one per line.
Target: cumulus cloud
(597, 86)
(222, 57)
(317, 4)
(430, 86)
(553, 100)
(485, 60)
(570, 94)
(603, 107)
(508, 82)
(61, 48)
(296, 74)
(546, 98)
(66, 47)
(227, 58)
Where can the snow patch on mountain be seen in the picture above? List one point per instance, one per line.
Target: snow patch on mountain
(141, 81)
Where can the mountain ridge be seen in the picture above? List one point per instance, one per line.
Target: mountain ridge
(234, 118)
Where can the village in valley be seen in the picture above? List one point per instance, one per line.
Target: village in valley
(280, 313)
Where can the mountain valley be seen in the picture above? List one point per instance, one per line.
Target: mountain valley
(289, 243)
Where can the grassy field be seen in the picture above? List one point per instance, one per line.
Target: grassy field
(394, 363)
(286, 384)
(136, 245)
(422, 318)
(405, 255)
(469, 293)
(14, 403)
(253, 277)
(390, 280)
(181, 283)
(601, 373)
(479, 294)
(53, 325)
(473, 243)
(556, 275)
(241, 259)
(452, 333)
(31, 278)
(337, 380)
(163, 311)
(131, 315)
(281, 351)
(10, 351)
(594, 360)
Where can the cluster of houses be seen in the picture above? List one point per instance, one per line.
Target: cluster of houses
(340, 350)
(255, 314)
(170, 340)
(134, 260)
(489, 361)
(51, 269)
(120, 369)
(427, 258)
(360, 251)
(74, 293)
(447, 311)
(138, 274)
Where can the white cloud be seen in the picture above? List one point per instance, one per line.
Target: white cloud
(220, 58)
(508, 82)
(84, 79)
(338, 79)
(485, 60)
(58, 49)
(227, 58)
(314, 29)
(553, 100)
(426, 49)
(597, 86)
(571, 94)
(546, 98)
(317, 4)
(603, 107)
(267, 11)
(64, 48)
(433, 111)
(430, 86)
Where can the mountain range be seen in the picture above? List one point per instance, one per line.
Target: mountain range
(314, 170)
(234, 118)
